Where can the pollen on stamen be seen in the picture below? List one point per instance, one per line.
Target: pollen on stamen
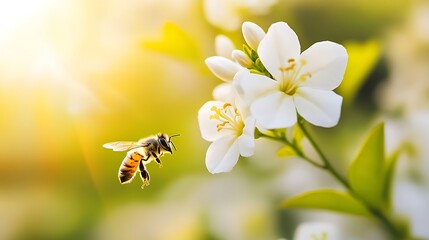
(226, 105)
(291, 60)
(305, 76)
(214, 109)
(289, 68)
(220, 126)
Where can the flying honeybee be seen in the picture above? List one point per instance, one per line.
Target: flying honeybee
(141, 153)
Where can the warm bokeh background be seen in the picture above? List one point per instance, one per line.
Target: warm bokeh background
(75, 74)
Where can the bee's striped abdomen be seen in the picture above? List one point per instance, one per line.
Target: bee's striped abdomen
(129, 166)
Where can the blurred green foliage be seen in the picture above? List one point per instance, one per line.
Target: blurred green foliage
(75, 75)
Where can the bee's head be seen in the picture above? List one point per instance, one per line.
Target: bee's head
(165, 142)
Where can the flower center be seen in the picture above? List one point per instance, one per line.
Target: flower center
(291, 77)
(229, 118)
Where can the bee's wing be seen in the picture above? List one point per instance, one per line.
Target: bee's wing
(122, 146)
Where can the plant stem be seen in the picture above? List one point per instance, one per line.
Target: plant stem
(386, 222)
(328, 166)
(296, 149)
(375, 212)
(325, 160)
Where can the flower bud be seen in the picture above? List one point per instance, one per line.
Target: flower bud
(224, 46)
(242, 58)
(253, 34)
(223, 68)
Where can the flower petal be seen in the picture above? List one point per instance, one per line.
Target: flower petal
(275, 110)
(326, 62)
(225, 92)
(224, 46)
(223, 68)
(279, 46)
(246, 142)
(222, 155)
(208, 126)
(319, 107)
(253, 34)
(250, 86)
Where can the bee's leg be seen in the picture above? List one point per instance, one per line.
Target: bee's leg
(144, 174)
(157, 160)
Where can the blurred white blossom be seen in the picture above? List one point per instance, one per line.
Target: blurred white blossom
(317, 231)
(407, 88)
(411, 189)
(301, 83)
(404, 96)
(229, 14)
(411, 200)
(224, 46)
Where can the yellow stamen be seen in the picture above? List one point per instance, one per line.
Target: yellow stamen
(229, 117)
(292, 77)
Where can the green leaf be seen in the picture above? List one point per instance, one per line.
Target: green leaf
(175, 42)
(388, 178)
(252, 54)
(389, 172)
(255, 71)
(367, 170)
(362, 59)
(327, 199)
(258, 65)
(258, 134)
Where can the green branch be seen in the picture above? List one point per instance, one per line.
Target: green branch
(374, 211)
(295, 148)
(325, 160)
(327, 165)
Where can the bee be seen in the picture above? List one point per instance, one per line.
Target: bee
(141, 153)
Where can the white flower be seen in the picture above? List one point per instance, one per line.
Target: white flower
(317, 231)
(228, 14)
(231, 132)
(303, 82)
(406, 90)
(410, 135)
(224, 67)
